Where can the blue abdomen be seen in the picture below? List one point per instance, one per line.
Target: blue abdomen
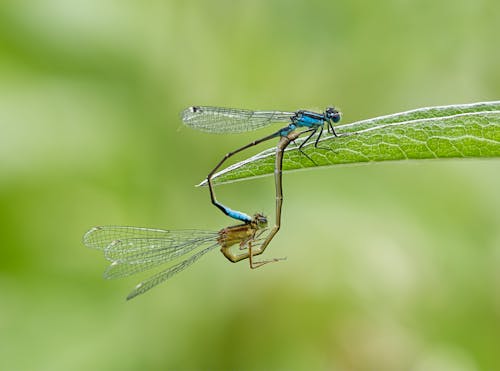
(238, 215)
(287, 130)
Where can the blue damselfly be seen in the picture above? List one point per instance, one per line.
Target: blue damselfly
(230, 120)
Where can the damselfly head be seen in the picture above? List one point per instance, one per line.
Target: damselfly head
(260, 220)
(332, 114)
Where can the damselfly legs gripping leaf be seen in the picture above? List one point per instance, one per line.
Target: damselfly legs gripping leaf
(229, 120)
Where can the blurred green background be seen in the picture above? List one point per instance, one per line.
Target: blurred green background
(390, 267)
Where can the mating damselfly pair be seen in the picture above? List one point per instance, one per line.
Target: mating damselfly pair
(132, 249)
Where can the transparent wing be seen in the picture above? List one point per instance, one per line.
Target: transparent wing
(132, 249)
(121, 239)
(153, 257)
(230, 120)
(162, 276)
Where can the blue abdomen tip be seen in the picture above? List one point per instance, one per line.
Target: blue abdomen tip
(238, 215)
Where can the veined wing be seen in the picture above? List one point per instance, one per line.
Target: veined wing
(231, 120)
(132, 250)
(131, 239)
(162, 276)
(158, 255)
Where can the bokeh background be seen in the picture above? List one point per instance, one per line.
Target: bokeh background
(390, 266)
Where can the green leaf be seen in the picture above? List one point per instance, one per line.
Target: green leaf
(457, 131)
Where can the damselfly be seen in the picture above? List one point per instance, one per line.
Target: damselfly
(229, 120)
(132, 250)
